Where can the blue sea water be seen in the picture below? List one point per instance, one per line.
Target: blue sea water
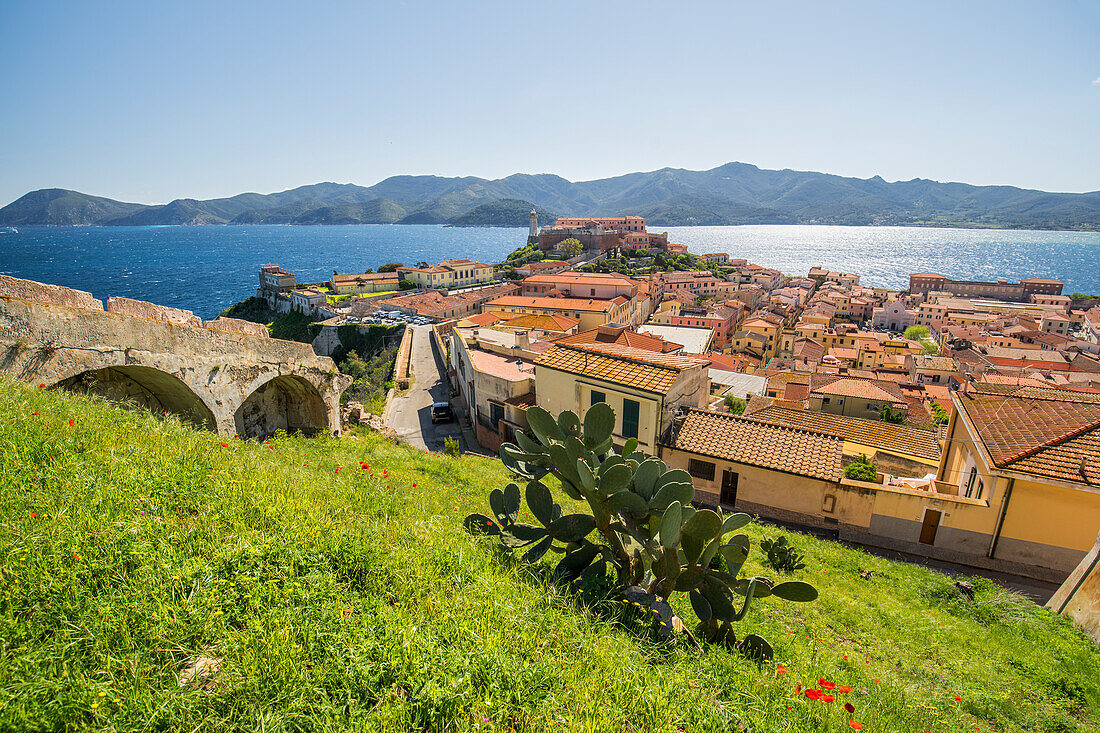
(207, 268)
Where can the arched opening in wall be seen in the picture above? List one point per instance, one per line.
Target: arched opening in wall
(143, 388)
(287, 403)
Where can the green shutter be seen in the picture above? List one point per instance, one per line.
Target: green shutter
(598, 397)
(630, 419)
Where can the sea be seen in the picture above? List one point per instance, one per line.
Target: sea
(205, 269)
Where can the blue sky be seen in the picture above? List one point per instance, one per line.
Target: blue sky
(152, 101)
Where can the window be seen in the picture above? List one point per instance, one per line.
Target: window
(598, 397)
(970, 481)
(872, 407)
(496, 413)
(630, 419)
(701, 469)
(825, 400)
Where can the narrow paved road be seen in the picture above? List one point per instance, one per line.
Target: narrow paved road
(411, 414)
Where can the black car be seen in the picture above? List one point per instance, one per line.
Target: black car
(442, 412)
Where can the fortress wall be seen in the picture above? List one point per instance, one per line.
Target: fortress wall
(236, 325)
(12, 287)
(152, 311)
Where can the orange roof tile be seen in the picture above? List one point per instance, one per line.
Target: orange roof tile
(884, 436)
(753, 442)
(1044, 432)
(637, 368)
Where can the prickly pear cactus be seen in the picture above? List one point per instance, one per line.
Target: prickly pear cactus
(642, 525)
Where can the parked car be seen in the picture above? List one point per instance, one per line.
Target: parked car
(442, 412)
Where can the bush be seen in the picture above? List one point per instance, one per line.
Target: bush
(451, 447)
(406, 285)
(861, 470)
(890, 415)
(390, 266)
(643, 524)
(781, 555)
(736, 405)
(939, 415)
(916, 333)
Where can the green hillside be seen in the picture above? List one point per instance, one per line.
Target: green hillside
(325, 600)
(502, 213)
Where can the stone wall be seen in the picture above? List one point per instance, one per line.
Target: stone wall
(12, 287)
(152, 311)
(236, 325)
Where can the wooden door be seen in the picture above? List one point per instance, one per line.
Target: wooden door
(929, 527)
(729, 488)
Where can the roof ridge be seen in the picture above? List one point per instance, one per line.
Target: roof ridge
(1087, 428)
(758, 421)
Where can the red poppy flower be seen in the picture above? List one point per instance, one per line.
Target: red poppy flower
(827, 698)
(780, 669)
(71, 422)
(488, 523)
(798, 690)
(33, 515)
(36, 412)
(958, 699)
(844, 689)
(825, 684)
(855, 725)
(224, 445)
(238, 437)
(42, 386)
(877, 680)
(76, 557)
(337, 469)
(849, 707)
(813, 694)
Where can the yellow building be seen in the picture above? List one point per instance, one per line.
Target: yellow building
(448, 274)
(1017, 489)
(645, 388)
(370, 282)
(591, 312)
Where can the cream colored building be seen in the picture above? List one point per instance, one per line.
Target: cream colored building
(448, 274)
(644, 388)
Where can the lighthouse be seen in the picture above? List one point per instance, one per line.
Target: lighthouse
(533, 233)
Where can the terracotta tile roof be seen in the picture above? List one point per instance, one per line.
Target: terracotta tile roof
(523, 401)
(545, 322)
(884, 436)
(1033, 390)
(1044, 432)
(753, 442)
(637, 368)
(365, 277)
(625, 338)
(870, 389)
(481, 319)
(514, 370)
(564, 304)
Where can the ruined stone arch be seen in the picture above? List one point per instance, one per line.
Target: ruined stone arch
(285, 402)
(145, 388)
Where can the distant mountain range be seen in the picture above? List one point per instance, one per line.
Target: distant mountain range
(735, 193)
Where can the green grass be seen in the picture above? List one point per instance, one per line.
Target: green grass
(335, 602)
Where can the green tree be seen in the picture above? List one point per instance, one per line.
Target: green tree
(572, 246)
(407, 285)
(736, 405)
(390, 266)
(916, 333)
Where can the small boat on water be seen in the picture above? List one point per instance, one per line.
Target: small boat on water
(8, 230)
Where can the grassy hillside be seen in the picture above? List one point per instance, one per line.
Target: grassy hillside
(130, 546)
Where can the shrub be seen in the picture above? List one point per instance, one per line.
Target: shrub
(736, 405)
(939, 415)
(861, 470)
(890, 415)
(390, 266)
(406, 285)
(781, 555)
(451, 447)
(916, 333)
(642, 526)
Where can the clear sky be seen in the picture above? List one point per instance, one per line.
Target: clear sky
(154, 100)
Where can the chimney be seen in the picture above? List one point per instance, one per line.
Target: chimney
(611, 329)
(523, 339)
